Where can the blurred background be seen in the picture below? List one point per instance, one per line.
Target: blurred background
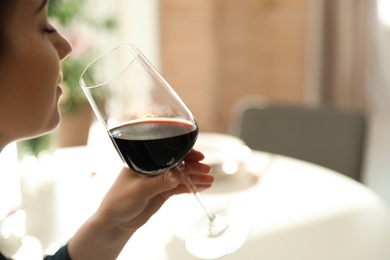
(213, 53)
(306, 52)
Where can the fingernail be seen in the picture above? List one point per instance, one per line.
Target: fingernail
(202, 188)
(171, 177)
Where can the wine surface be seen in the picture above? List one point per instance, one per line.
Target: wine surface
(152, 146)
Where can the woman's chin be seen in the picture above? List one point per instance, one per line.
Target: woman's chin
(53, 124)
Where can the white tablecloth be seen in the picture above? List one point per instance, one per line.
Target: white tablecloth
(301, 211)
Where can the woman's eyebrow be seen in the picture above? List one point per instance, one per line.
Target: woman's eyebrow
(41, 6)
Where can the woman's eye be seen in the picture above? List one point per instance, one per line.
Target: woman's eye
(49, 29)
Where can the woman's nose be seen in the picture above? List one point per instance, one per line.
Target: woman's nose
(63, 47)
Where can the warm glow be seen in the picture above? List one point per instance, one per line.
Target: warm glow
(384, 11)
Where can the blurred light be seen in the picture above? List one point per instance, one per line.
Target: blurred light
(230, 167)
(31, 249)
(383, 9)
(13, 225)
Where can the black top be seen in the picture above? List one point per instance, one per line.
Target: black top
(3, 257)
(61, 254)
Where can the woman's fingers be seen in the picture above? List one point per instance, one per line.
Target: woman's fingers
(196, 167)
(201, 179)
(194, 155)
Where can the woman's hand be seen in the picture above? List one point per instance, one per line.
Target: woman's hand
(134, 198)
(129, 203)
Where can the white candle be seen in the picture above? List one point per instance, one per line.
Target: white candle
(38, 191)
(9, 180)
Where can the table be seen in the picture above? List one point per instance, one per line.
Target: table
(301, 211)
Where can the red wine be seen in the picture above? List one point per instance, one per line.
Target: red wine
(152, 146)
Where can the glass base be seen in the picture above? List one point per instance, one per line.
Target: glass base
(239, 221)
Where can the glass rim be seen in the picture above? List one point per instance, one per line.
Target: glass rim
(99, 57)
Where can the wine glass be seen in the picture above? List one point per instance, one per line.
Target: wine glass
(153, 130)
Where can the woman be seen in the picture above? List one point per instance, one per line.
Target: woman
(30, 54)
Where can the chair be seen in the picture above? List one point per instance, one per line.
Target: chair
(328, 137)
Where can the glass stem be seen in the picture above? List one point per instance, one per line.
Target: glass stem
(195, 192)
(218, 224)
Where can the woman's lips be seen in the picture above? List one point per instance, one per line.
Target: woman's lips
(59, 90)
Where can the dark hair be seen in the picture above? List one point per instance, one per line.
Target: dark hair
(6, 9)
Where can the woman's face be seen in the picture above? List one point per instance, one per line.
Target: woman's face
(30, 73)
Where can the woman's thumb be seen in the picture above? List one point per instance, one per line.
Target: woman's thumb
(166, 181)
